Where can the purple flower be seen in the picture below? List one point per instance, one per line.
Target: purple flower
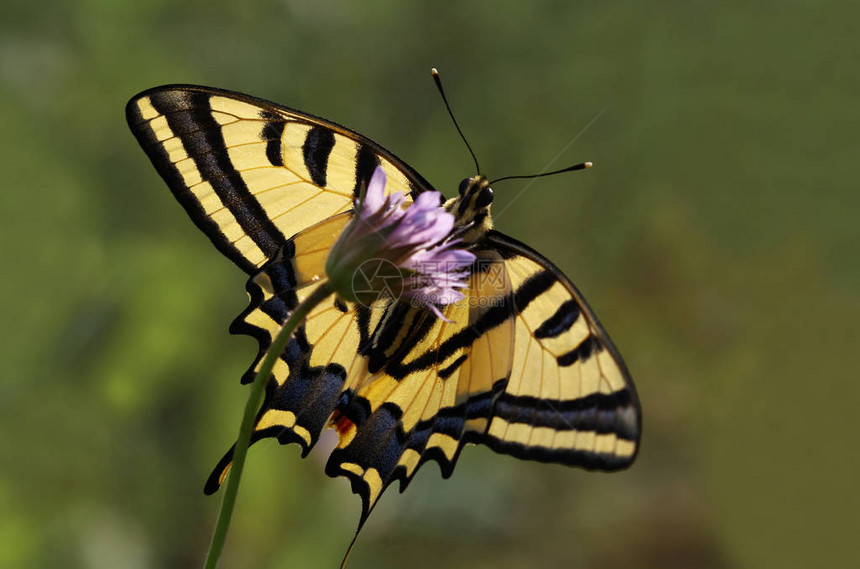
(400, 252)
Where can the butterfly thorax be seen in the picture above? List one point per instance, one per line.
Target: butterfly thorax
(472, 209)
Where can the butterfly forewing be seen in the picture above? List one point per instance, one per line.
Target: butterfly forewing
(251, 173)
(569, 397)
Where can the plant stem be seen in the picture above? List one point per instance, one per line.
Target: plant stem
(251, 407)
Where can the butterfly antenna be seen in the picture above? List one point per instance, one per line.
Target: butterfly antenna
(580, 166)
(438, 81)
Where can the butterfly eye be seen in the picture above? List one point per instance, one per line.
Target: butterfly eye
(485, 198)
(464, 185)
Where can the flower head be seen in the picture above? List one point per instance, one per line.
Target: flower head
(401, 252)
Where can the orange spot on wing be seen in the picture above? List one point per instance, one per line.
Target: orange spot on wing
(342, 425)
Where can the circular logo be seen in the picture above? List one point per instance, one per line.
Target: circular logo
(377, 280)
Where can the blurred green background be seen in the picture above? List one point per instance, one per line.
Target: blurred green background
(717, 239)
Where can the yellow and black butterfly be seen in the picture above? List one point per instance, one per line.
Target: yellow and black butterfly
(521, 365)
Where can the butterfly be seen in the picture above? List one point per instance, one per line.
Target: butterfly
(521, 364)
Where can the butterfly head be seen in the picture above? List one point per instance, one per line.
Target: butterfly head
(472, 208)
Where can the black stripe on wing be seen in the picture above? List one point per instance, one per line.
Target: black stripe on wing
(597, 413)
(318, 145)
(189, 116)
(366, 161)
(272, 132)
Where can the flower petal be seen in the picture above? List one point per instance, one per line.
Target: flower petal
(423, 226)
(414, 239)
(374, 195)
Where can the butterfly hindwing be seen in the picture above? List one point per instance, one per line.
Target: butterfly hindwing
(252, 173)
(309, 376)
(429, 385)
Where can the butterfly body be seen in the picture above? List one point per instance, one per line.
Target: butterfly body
(471, 209)
(521, 364)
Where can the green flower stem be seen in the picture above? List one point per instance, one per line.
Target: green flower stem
(251, 407)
